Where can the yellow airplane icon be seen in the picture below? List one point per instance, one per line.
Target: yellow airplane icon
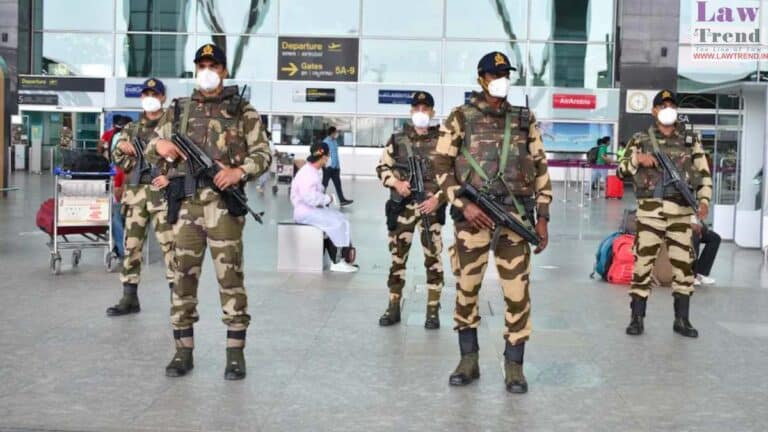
(291, 69)
(334, 46)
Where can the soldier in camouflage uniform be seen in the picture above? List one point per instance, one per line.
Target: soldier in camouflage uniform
(144, 200)
(471, 148)
(229, 130)
(404, 214)
(662, 213)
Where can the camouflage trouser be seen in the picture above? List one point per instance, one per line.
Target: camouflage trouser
(143, 204)
(469, 258)
(204, 220)
(676, 232)
(400, 241)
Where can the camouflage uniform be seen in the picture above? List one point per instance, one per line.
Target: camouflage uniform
(233, 134)
(142, 204)
(666, 218)
(526, 173)
(403, 215)
(479, 128)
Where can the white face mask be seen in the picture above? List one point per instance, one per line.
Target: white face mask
(420, 119)
(151, 104)
(667, 116)
(207, 79)
(499, 87)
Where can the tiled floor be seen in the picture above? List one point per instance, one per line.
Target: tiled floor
(317, 359)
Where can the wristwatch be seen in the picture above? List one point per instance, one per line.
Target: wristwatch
(244, 177)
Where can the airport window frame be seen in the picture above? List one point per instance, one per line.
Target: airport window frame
(195, 31)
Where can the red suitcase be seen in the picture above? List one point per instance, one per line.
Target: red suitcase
(614, 188)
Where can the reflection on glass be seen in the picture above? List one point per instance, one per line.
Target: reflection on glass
(497, 19)
(695, 75)
(237, 16)
(162, 56)
(247, 57)
(422, 18)
(85, 15)
(375, 131)
(306, 130)
(72, 54)
(572, 20)
(461, 60)
(326, 17)
(571, 65)
(155, 15)
(400, 62)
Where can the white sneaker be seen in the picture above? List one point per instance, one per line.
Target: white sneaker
(343, 267)
(705, 280)
(696, 281)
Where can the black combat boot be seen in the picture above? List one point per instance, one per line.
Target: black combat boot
(433, 317)
(392, 315)
(235, 369)
(128, 304)
(514, 379)
(635, 327)
(181, 363)
(468, 369)
(682, 326)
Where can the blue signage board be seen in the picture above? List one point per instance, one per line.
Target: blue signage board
(132, 90)
(402, 97)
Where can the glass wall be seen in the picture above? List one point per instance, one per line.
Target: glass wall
(402, 43)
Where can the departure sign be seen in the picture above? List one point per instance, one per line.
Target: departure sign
(317, 59)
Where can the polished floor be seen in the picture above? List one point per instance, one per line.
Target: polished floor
(318, 361)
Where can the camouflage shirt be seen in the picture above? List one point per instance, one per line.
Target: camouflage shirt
(236, 139)
(481, 129)
(396, 153)
(685, 150)
(145, 130)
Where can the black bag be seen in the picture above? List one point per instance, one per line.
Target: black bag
(629, 222)
(592, 154)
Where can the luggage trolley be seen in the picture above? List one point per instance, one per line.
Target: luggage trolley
(285, 169)
(82, 205)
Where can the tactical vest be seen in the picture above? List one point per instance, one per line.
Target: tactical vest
(679, 148)
(215, 125)
(144, 129)
(422, 146)
(483, 138)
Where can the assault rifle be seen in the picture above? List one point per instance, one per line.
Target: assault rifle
(416, 169)
(204, 168)
(672, 177)
(498, 215)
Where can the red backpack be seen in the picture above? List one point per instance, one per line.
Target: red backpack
(623, 262)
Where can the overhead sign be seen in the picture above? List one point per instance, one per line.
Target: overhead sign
(317, 59)
(401, 97)
(574, 101)
(30, 82)
(321, 95)
(133, 90)
(38, 99)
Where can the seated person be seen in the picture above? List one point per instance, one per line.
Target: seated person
(704, 260)
(311, 206)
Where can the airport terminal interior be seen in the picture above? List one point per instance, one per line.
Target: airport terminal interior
(334, 80)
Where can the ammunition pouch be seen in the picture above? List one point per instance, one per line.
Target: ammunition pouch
(393, 209)
(234, 208)
(174, 195)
